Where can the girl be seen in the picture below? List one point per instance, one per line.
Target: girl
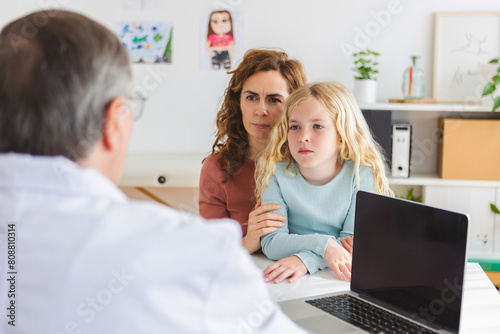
(252, 105)
(320, 153)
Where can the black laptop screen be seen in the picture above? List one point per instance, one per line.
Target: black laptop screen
(410, 256)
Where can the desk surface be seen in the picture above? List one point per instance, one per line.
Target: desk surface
(481, 301)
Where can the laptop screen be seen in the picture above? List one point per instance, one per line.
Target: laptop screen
(411, 257)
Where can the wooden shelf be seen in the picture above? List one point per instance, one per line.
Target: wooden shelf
(432, 179)
(436, 107)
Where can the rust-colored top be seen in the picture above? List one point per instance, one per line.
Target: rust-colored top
(234, 199)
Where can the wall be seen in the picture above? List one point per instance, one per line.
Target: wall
(183, 98)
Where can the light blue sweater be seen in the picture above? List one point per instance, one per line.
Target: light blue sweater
(314, 213)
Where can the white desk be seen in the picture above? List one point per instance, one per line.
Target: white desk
(481, 301)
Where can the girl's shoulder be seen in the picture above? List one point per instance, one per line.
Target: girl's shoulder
(366, 178)
(284, 171)
(350, 165)
(281, 167)
(365, 172)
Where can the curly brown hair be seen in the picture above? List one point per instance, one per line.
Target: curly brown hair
(231, 141)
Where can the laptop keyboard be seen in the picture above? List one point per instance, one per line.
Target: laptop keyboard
(366, 316)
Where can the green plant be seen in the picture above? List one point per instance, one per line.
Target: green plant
(494, 208)
(365, 63)
(411, 197)
(491, 86)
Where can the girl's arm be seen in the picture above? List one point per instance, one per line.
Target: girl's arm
(280, 244)
(366, 183)
(261, 222)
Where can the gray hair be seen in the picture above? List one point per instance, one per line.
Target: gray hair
(59, 71)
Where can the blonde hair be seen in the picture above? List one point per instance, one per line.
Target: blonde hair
(357, 141)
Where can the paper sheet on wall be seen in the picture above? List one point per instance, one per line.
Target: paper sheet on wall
(146, 41)
(222, 45)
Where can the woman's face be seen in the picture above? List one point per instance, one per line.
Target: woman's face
(220, 23)
(261, 102)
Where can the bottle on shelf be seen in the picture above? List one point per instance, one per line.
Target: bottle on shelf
(413, 81)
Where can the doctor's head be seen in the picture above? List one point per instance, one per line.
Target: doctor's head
(63, 90)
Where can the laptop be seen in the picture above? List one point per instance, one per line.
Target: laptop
(408, 270)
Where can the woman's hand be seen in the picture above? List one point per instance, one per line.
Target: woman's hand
(348, 243)
(290, 267)
(339, 259)
(261, 222)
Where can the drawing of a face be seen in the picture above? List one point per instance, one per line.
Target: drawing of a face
(220, 23)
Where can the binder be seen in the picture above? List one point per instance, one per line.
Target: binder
(401, 150)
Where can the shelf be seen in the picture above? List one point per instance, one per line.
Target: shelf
(431, 179)
(436, 107)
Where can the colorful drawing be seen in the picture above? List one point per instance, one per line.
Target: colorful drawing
(147, 42)
(220, 39)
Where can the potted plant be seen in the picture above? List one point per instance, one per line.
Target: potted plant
(491, 86)
(365, 68)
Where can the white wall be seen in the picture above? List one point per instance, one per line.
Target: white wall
(183, 99)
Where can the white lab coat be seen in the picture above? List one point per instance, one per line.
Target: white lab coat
(87, 260)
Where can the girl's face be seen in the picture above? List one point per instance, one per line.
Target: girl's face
(261, 103)
(313, 138)
(220, 23)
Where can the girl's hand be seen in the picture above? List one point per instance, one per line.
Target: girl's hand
(339, 259)
(348, 243)
(290, 267)
(261, 222)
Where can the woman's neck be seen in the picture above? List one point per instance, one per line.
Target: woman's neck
(255, 147)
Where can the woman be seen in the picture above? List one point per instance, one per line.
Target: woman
(253, 104)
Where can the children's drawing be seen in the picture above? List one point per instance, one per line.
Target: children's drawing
(220, 40)
(147, 42)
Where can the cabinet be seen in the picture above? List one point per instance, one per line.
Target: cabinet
(474, 200)
(167, 178)
(466, 196)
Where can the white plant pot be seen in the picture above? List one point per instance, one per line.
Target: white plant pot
(365, 91)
